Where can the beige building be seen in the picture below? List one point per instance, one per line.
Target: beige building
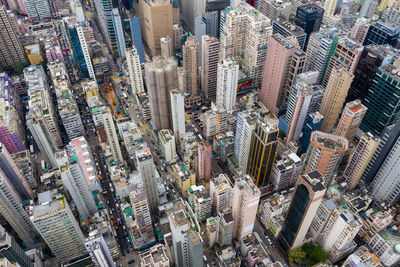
(209, 63)
(334, 97)
(156, 256)
(190, 55)
(167, 49)
(351, 119)
(156, 20)
(360, 159)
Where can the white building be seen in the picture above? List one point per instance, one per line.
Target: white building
(220, 193)
(58, 227)
(190, 10)
(119, 32)
(135, 70)
(85, 50)
(178, 114)
(245, 124)
(167, 49)
(167, 142)
(98, 250)
(37, 9)
(386, 245)
(112, 137)
(227, 82)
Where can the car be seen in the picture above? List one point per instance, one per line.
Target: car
(204, 258)
(127, 250)
(122, 253)
(131, 261)
(108, 201)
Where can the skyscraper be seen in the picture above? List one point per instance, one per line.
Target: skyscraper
(368, 8)
(246, 197)
(11, 50)
(382, 100)
(119, 32)
(286, 28)
(382, 33)
(245, 124)
(167, 47)
(37, 9)
(190, 55)
(98, 250)
(309, 18)
(156, 21)
(313, 123)
(10, 169)
(329, 8)
(12, 210)
(178, 114)
(191, 9)
(346, 55)
(278, 78)
(324, 154)
(334, 97)
(10, 250)
(351, 119)
(161, 77)
(75, 182)
(263, 147)
(220, 193)
(112, 137)
(209, 58)
(244, 37)
(135, 70)
(147, 170)
(104, 13)
(307, 197)
(204, 161)
(286, 170)
(136, 33)
(56, 224)
(362, 155)
(386, 185)
(227, 83)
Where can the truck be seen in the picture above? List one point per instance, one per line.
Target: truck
(31, 149)
(120, 73)
(43, 165)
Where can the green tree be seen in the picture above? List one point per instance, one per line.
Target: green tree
(282, 134)
(317, 255)
(297, 255)
(19, 68)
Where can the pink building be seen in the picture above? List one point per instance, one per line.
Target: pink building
(204, 161)
(282, 64)
(246, 196)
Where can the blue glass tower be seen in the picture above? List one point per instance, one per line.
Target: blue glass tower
(313, 123)
(137, 37)
(78, 57)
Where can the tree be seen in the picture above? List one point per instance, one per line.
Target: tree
(282, 134)
(317, 255)
(297, 255)
(19, 68)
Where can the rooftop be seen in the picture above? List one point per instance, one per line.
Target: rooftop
(330, 141)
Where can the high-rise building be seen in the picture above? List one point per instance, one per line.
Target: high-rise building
(75, 182)
(112, 137)
(178, 33)
(167, 146)
(11, 51)
(141, 229)
(58, 227)
(274, 9)
(382, 33)
(368, 8)
(307, 197)
(329, 8)
(104, 13)
(285, 171)
(334, 97)
(209, 63)
(225, 227)
(156, 21)
(12, 210)
(27, 167)
(37, 9)
(200, 201)
(227, 83)
(10, 250)
(221, 193)
(98, 250)
(147, 170)
(346, 55)
(324, 154)
(161, 78)
(134, 24)
(286, 29)
(351, 119)
(385, 245)
(372, 58)
(190, 56)
(360, 29)
(135, 70)
(278, 78)
(204, 161)
(11, 170)
(167, 48)
(359, 160)
(263, 147)
(246, 196)
(313, 123)
(319, 52)
(309, 18)
(191, 9)
(388, 138)
(382, 100)
(386, 186)
(178, 114)
(67, 108)
(155, 256)
(186, 240)
(244, 37)
(119, 32)
(245, 124)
